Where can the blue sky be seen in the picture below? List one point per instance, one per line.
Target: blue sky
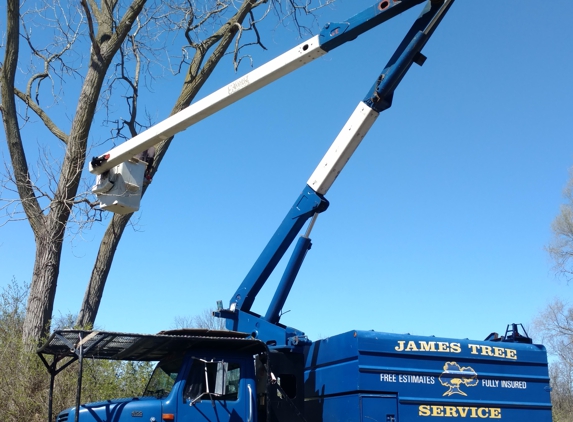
(437, 225)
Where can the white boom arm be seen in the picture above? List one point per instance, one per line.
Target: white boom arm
(342, 148)
(120, 180)
(251, 82)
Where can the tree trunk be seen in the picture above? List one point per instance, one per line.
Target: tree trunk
(49, 238)
(94, 291)
(43, 286)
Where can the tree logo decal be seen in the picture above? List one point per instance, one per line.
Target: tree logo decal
(455, 375)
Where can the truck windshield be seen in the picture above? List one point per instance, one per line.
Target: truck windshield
(163, 378)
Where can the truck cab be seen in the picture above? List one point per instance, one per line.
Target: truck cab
(202, 384)
(200, 375)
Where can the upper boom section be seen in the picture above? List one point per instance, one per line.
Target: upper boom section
(337, 33)
(379, 97)
(332, 36)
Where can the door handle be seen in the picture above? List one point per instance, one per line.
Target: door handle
(250, 419)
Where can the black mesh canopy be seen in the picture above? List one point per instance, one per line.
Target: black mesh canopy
(143, 347)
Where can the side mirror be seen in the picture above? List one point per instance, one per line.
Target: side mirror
(217, 384)
(217, 379)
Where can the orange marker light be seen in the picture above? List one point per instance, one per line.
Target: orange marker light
(168, 417)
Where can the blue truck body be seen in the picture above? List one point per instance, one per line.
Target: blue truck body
(413, 378)
(362, 376)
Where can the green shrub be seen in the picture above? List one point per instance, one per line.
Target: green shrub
(24, 380)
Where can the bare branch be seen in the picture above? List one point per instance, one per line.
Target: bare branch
(95, 44)
(125, 26)
(238, 46)
(10, 119)
(203, 320)
(291, 10)
(561, 247)
(53, 51)
(52, 127)
(217, 11)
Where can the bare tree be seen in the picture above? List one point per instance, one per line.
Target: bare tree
(48, 219)
(555, 323)
(561, 247)
(205, 319)
(561, 374)
(555, 326)
(109, 50)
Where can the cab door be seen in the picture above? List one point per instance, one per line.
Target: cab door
(219, 390)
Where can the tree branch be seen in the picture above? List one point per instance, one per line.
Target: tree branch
(50, 125)
(95, 44)
(124, 26)
(10, 119)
